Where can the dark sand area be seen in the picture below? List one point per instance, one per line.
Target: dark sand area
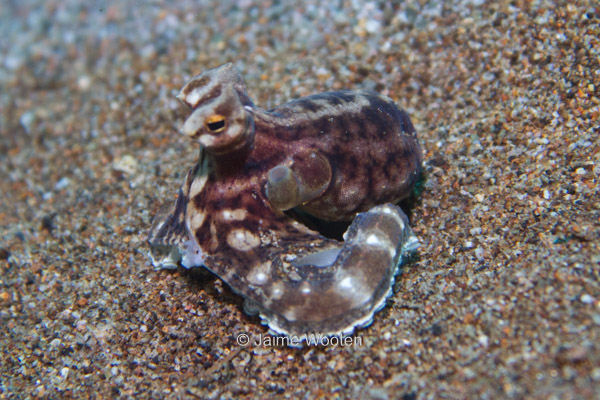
(502, 300)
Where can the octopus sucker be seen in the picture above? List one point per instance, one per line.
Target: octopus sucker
(336, 156)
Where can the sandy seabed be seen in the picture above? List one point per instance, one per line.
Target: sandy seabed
(502, 299)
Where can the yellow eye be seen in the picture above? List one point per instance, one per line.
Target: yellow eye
(215, 123)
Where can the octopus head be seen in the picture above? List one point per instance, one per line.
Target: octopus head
(221, 121)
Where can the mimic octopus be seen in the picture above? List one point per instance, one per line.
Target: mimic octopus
(336, 156)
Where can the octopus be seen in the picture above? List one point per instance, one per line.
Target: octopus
(335, 156)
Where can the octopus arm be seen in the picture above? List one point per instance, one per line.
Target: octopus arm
(334, 291)
(168, 227)
(169, 230)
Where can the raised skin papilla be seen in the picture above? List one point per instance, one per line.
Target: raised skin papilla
(332, 155)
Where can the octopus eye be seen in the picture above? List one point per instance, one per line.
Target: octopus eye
(215, 123)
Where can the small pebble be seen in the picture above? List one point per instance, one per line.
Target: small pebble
(586, 299)
(126, 164)
(64, 372)
(63, 183)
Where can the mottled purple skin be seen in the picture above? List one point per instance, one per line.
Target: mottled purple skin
(347, 151)
(371, 146)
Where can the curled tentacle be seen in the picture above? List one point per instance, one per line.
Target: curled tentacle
(298, 281)
(338, 288)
